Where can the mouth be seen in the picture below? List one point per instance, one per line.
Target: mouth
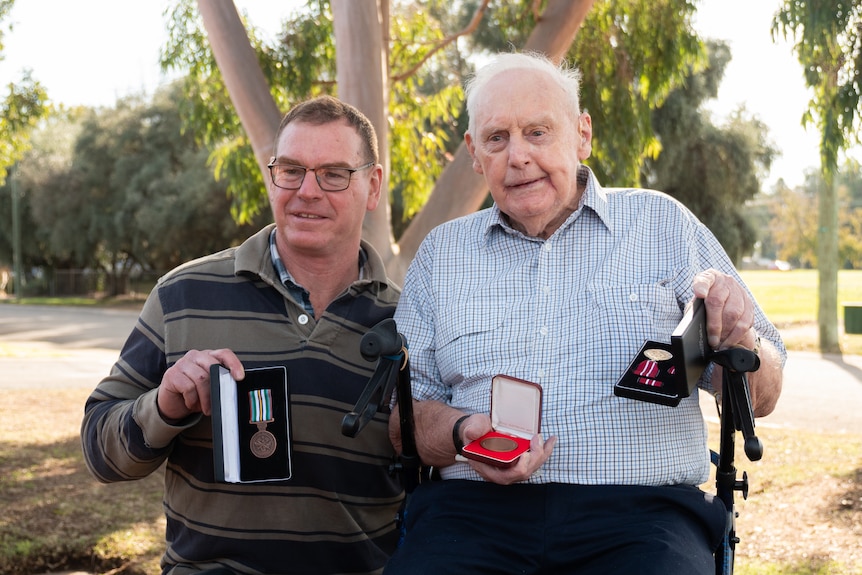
(523, 184)
(306, 216)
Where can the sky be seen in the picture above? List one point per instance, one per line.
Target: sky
(92, 52)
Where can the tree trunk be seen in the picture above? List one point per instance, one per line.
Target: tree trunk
(362, 77)
(245, 82)
(827, 265)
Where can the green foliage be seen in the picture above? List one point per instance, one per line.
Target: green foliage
(714, 171)
(794, 218)
(121, 188)
(828, 36)
(20, 110)
(422, 109)
(632, 53)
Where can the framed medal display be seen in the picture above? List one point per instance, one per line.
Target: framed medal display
(251, 425)
(666, 373)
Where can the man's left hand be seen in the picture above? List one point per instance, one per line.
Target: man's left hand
(729, 310)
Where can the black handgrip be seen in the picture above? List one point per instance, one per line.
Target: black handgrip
(382, 340)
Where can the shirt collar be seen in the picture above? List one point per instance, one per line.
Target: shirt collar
(285, 276)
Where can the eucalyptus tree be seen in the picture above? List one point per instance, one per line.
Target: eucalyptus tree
(827, 37)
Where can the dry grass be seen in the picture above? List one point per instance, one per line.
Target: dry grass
(803, 516)
(55, 516)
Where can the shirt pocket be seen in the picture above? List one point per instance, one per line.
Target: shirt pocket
(472, 340)
(622, 319)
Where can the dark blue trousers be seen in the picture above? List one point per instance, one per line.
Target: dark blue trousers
(471, 528)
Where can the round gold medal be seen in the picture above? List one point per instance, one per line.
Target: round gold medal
(500, 444)
(656, 354)
(263, 444)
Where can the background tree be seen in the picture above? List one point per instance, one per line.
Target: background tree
(714, 171)
(20, 109)
(794, 221)
(828, 43)
(636, 52)
(122, 189)
(793, 225)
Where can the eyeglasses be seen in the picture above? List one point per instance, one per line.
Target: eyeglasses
(329, 178)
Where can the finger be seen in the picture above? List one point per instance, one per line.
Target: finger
(228, 358)
(715, 300)
(702, 283)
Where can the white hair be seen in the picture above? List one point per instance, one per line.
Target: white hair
(568, 78)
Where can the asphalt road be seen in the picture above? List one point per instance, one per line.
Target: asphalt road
(45, 347)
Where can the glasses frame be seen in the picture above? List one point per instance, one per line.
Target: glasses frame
(272, 164)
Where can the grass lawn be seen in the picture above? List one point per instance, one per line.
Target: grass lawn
(790, 301)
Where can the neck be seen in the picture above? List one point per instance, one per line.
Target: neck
(325, 278)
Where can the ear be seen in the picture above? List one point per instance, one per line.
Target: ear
(376, 184)
(468, 140)
(585, 129)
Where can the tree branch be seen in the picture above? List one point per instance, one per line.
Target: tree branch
(471, 27)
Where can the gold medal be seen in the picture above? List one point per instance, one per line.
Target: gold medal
(657, 354)
(263, 442)
(500, 444)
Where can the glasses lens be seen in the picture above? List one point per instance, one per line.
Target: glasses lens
(289, 177)
(333, 179)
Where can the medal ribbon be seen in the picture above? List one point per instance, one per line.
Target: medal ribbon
(260, 406)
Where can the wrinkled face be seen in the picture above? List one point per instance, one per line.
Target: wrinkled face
(310, 219)
(525, 142)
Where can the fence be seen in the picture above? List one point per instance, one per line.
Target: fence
(85, 283)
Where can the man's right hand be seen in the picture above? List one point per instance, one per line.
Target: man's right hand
(185, 387)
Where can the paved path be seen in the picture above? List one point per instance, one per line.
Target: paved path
(50, 346)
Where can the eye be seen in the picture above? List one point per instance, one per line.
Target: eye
(335, 174)
(292, 171)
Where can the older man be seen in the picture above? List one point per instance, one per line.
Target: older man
(559, 284)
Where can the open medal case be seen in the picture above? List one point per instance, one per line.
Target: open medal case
(666, 373)
(516, 416)
(251, 435)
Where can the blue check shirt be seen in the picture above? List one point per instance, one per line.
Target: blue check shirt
(569, 313)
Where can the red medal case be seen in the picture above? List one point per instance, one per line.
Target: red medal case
(516, 416)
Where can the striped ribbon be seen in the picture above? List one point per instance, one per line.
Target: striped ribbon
(260, 405)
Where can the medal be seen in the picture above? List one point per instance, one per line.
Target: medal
(500, 444)
(657, 354)
(263, 442)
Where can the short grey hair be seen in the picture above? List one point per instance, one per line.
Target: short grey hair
(567, 77)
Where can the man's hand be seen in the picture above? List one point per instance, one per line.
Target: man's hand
(185, 387)
(529, 462)
(729, 310)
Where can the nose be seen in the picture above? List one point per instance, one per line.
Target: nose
(519, 151)
(309, 189)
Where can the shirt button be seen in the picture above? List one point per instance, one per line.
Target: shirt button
(543, 331)
(547, 246)
(303, 319)
(633, 297)
(541, 373)
(547, 290)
